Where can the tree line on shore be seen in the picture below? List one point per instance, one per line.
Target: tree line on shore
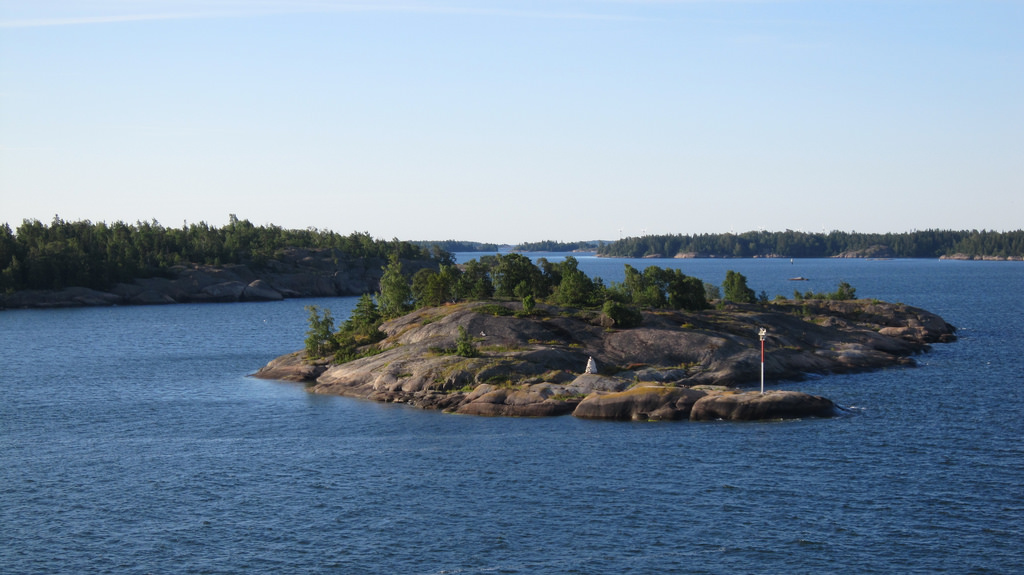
(555, 246)
(99, 255)
(794, 244)
(458, 246)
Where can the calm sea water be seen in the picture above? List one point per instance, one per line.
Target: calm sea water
(131, 441)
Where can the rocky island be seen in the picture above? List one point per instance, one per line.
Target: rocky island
(675, 365)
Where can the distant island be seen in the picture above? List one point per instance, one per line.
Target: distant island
(971, 245)
(461, 246)
(553, 246)
(503, 336)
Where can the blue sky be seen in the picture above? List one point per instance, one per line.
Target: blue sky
(511, 121)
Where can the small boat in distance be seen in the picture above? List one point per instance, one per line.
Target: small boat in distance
(799, 279)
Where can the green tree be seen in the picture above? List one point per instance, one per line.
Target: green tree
(448, 283)
(735, 288)
(575, 288)
(643, 288)
(395, 297)
(659, 287)
(464, 345)
(475, 281)
(624, 316)
(528, 304)
(320, 336)
(685, 292)
(361, 329)
(844, 291)
(550, 272)
(711, 292)
(654, 294)
(365, 318)
(425, 288)
(514, 275)
(11, 278)
(9, 266)
(430, 288)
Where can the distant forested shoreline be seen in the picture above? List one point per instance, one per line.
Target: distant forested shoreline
(459, 246)
(971, 244)
(63, 254)
(542, 246)
(553, 246)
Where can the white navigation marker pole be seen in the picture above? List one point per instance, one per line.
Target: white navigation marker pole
(762, 333)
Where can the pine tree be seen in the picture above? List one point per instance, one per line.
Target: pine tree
(395, 297)
(735, 288)
(365, 318)
(320, 337)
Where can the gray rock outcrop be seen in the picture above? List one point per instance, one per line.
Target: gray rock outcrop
(754, 406)
(641, 403)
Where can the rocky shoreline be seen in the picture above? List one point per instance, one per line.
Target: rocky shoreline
(675, 366)
(966, 257)
(295, 273)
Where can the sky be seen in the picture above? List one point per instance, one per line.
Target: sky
(513, 121)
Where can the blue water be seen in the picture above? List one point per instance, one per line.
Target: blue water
(131, 441)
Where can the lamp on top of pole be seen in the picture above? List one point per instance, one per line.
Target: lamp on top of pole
(762, 333)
